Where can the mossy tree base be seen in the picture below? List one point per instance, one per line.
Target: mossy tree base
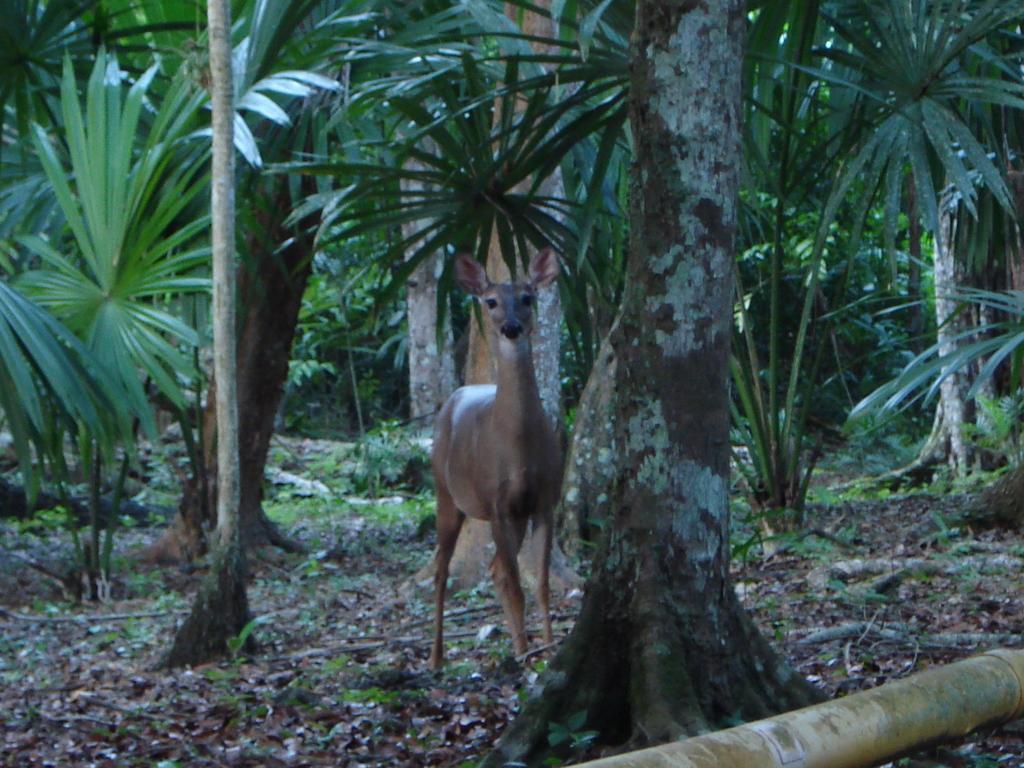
(1002, 503)
(220, 612)
(647, 667)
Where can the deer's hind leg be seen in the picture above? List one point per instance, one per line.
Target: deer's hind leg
(449, 523)
(542, 532)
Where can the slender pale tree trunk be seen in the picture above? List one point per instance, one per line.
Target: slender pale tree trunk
(221, 609)
(662, 648)
(431, 368)
(947, 440)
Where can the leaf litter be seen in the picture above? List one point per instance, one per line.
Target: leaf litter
(341, 675)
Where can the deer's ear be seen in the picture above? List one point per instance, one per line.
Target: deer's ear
(543, 268)
(470, 275)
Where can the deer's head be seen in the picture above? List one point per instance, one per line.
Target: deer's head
(508, 306)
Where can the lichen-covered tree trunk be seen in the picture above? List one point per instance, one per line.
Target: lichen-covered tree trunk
(662, 648)
(221, 609)
(590, 464)
(1002, 502)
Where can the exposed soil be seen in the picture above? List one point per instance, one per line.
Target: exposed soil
(341, 676)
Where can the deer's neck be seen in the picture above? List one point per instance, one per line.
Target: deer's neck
(517, 401)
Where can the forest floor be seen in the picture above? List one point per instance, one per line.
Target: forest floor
(879, 589)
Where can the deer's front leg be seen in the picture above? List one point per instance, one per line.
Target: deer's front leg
(508, 536)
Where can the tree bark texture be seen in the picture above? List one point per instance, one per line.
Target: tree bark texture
(222, 206)
(1001, 503)
(662, 648)
(270, 293)
(591, 465)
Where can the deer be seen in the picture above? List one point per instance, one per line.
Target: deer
(495, 456)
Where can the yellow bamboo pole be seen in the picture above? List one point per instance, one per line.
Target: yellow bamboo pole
(862, 729)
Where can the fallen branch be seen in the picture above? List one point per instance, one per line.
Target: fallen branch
(70, 718)
(852, 570)
(88, 618)
(902, 633)
(536, 651)
(136, 712)
(377, 644)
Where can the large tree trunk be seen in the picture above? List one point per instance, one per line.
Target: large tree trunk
(1002, 503)
(431, 370)
(662, 648)
(270, 294)
(221, 609)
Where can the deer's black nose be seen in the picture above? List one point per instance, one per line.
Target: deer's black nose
(511, 329)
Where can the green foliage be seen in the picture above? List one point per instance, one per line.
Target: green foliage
(833, 129)
(125, 195)
(1000, 344)
(997, 429)
(49, 384)
(572, 733)
(348, 359)
(237, 643)
(389, 459)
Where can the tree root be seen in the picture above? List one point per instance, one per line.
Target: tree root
(640, 680)
(220, 613)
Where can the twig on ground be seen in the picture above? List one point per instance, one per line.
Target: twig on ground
(536, 651)
(69, 718)
(851, 570)
(459, 614)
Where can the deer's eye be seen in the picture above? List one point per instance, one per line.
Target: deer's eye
(527, 300)
(491, 303)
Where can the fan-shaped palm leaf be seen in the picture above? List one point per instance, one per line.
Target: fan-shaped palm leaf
(46, 376)
(126, 197)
